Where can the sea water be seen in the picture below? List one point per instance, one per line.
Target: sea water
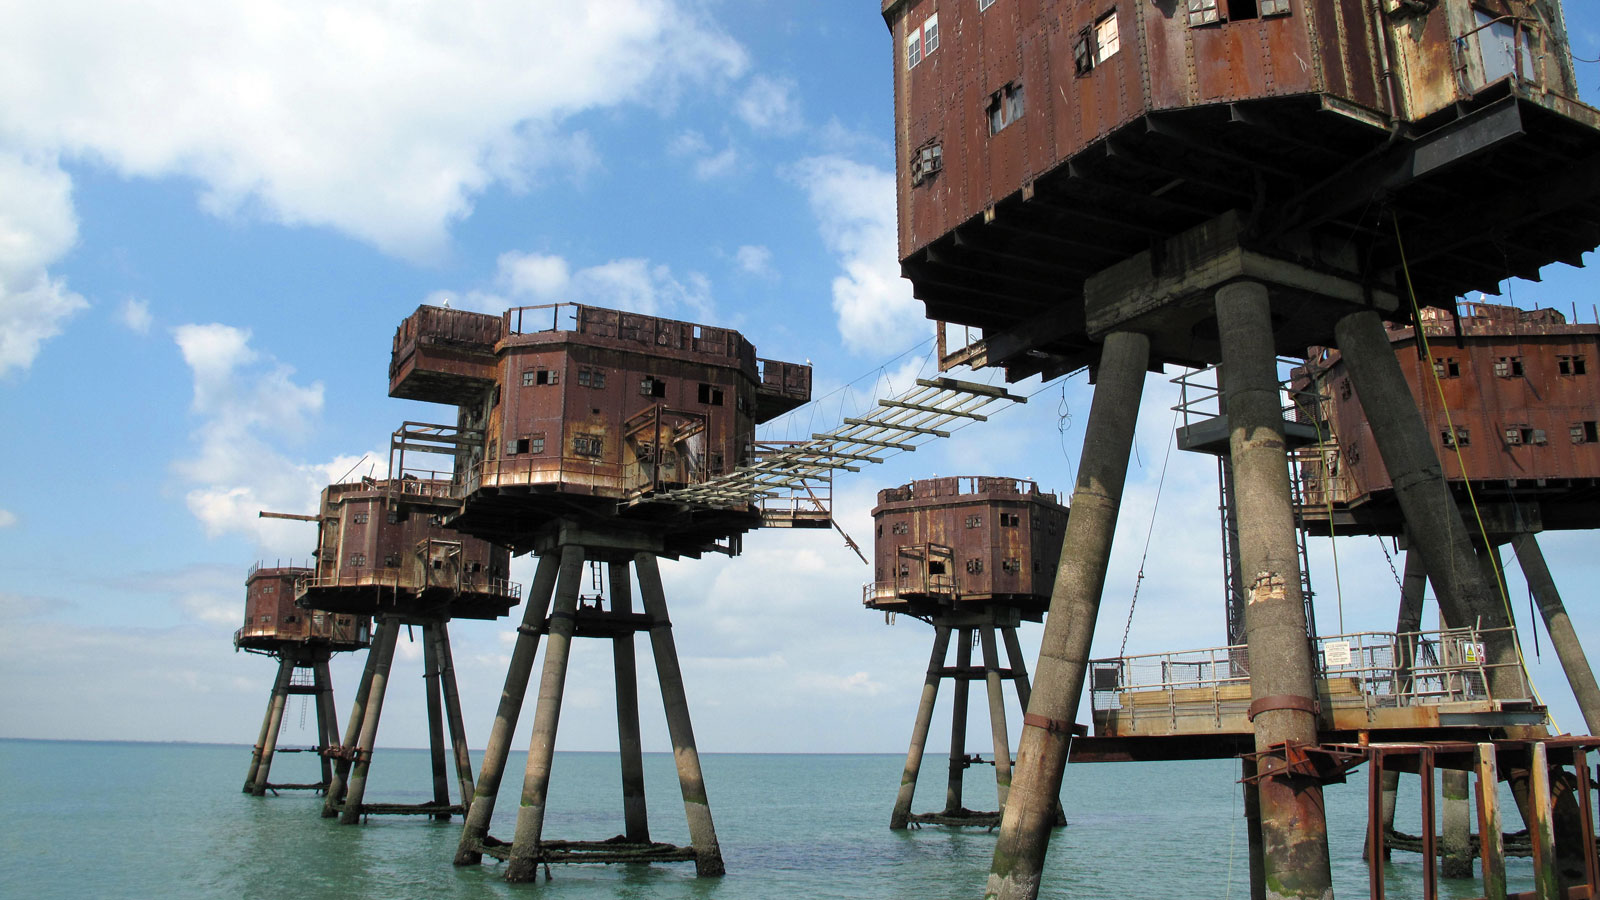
(82, 819)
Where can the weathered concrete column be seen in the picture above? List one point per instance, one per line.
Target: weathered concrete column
(1074, 605)
(1019, 680)
(350, 814)
(962, 686)
(635, 814)
(1455, 824)
(327, 717)
(1413, 587)
(430, 666)
(261, 761)
(1433, 520)
(919, 731)
(1283, 686)
(1562, 636)
(352, 733)
(1252, 829)
(702, 833)
(524, 862)
(469, 851)
(452, 714)
(997, 715)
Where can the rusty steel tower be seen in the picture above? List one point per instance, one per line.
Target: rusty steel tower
(384, 553)
(573, 423)
(974, 557)
(302, 640)
(1123, 185)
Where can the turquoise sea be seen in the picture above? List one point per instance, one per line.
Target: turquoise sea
(111, 820)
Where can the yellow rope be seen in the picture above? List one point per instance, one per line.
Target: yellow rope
(1461, 466)
(1327, 494)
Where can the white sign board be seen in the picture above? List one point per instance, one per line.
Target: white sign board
(1336, 653)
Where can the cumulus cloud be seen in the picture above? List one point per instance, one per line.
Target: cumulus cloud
(855, 211)
(637, 285)
(755, 259)
(37, 226)
(248, 406)
(135, 314)
(771, 105)
(384, 121)
(693, 146)
(7, 518)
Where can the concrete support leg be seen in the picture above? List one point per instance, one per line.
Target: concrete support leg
(1491, 844)
(352, 733)
(919, 731)
(635, 814)
(452, 714)
(962, 687)
(441, 772)
(1562, 635)
(1433, 521)
(1455, 825)
(702, 834)
(997, 715)
(524, 862)
(327, 718)
(388, 633)
(469, 851)
(269, 729)
(1541, 829)
(1019, 680)
(1282, 672)
(1074, 605)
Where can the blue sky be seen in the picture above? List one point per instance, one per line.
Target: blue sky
(213, 216)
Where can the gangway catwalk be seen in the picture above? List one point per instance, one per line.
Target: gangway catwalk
(1211, 182)
(302, 641)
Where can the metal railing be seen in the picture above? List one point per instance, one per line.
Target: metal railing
(400, 580)
(1371, 669)
(943, 586)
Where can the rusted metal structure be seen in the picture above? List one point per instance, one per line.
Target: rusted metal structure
(302, 641)
(1121, 185)
(384, 552)
(973, 557)
(578, 432)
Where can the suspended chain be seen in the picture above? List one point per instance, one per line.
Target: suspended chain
(925, 412)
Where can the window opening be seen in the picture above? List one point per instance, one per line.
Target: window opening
(936, 567)
(984, 4)
(1446, 367)
(921, 41)
(1241, 9)
(1508, 367)
(1570, 365)
(710, 395)
(1096, 43)
(1005, 106)
(914, 48)
(1585, 432)
(1010, 520)
(360, 518)
(1012, 565)
(587, 445)
(358, 559)
(926, 163)
(1203, 12)
(652, 386)
(975, 566)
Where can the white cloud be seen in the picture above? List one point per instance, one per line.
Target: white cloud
(692, 145)
(7, 518)
(37, 227)
(854, 206)
(249, 406)
(771, 105)
(756, 260)
(135, 315)
(636, 285)
(384, 121)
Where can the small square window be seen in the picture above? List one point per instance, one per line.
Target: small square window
(710, 395)
(914, 48)
(1010, 520)
(1012, 565)
(1203, 12)
(1508, 367)
(358, 559)
(588, 445)
(975, 566)
(1446, 367)
(1585, 432)
(583, 377)
(1571, 365)
(359, 518)
(652, 387)
(535, 445)
(528, 376)
(1005, 106)
(900, 528)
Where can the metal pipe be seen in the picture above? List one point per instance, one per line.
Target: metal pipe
(1562, 635)
(523, 864)
(696, 807)
(358, 713)
(469, 851)
(350, 814)
(1282, 672)
(997, 715)
(635, 813)
(919, 731)
(1074, 605)
(280, 698)
(430, 676)
(958, 723)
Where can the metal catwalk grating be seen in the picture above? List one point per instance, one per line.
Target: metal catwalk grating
(794, 471)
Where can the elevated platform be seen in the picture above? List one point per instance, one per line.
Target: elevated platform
(374, 593)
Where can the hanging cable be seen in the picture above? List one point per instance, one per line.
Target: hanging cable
(1461, 466)
(1327, 497)
(1172, 434)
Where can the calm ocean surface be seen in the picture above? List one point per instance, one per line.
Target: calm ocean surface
(169, 820)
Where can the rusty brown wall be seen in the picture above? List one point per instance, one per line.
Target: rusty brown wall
(1162, 64)
(270, 592)
(360, 540)
(1484, 403)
